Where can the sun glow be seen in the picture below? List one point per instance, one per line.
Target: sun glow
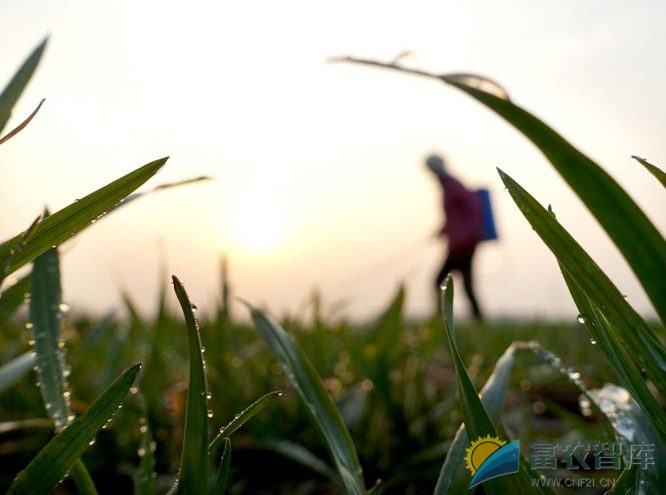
(258, 222)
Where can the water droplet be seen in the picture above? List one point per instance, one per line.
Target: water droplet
(580, 319)
(141, 452)
(194, 308)
(64, 307)
(210, 413)
(28, 325)
(143, 429)
(593, 341)
(92, 442)
(209, 395)
(134, 390)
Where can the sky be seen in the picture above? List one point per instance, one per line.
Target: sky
(319, 176)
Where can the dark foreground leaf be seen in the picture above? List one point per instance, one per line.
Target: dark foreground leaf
(49, 347)
(193, 474)
(476, 418)
(55, 460)
(609, 339)
(64, 224)
(653, 169)
(630, 334)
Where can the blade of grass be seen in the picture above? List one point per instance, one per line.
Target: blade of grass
(34, 424)
(308, 384)
(653, 169)
(64, 224)
(16, 246)
(454, 478)
(13, 297)
(638, 338)
(82, 479)
(384, 335)
(476, 419)
(145, 482)
(243, 417)
(12, 372)
(223, 474)
(608, 337)
(477, 422)
(99, 331)
(49, 348)
(193, 474)
(22, 125)
(632, 427)
(45, 317)
(17, 84)
(160, 187)
(628, 482)
(301, 455)
(629, 228)
(53, 462)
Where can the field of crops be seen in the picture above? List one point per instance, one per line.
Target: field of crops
(398, 400)
(316, 404)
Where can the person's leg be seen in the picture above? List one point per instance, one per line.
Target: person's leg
(468, 282)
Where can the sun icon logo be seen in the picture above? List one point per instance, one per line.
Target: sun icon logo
(480, 450)
(490, 457)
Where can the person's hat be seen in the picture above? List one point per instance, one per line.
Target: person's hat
(436, 164)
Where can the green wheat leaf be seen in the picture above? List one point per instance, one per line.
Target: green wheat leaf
(653, 169)
(628, 483)
(637, 338)
(64, 224)
(476, 419)
(243, 417)
(15, 87)
(193, 474)
(12, 372)
(55, 460)
(308, 384)
(224, 473)
(609, 339)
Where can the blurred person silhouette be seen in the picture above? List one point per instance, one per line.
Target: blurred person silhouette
(464, 227)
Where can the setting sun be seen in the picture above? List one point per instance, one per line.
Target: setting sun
(258, 221)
